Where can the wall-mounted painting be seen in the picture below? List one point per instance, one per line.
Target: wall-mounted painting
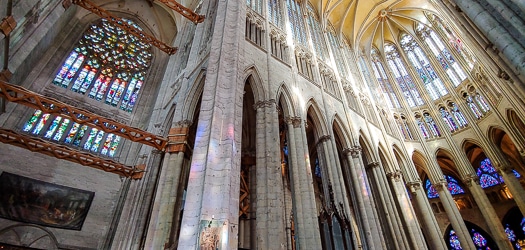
(33, 201)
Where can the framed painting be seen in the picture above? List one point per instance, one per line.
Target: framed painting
(33, 201)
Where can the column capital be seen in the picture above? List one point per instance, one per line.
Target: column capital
(184, 123)
(414, 186)
(471, 179)
(440, 185)
(324, 138)
(397, 175)
(356, 151)
(265, 104)
(295, 121)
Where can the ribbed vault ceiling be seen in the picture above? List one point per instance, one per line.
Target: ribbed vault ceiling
(372, 22)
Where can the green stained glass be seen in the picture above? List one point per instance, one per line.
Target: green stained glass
(31, 122)
(61, 130)
(91, 138)
(51, 130)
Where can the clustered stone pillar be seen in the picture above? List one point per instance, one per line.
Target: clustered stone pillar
(429, 223)
(163, 222)
(270, 217)
(488, 212)
(453, 215)
(373, 237)
(305, 210)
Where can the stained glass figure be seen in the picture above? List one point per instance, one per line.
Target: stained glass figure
(480, 100)
(460, 118)
(102, 62)
(296, 22)
(448, 119)
(397, 67)
(431, 125)
(421, 64)
(473, 107)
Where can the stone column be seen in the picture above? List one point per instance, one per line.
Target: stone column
(211, 210)
(270, 219)
(489, 214)
(428, 221)
(164, 217)
(454, 216)
(496, 33)
(413, 230)
(305, 210)
(513, 184)
(384, 196)
(373, 238)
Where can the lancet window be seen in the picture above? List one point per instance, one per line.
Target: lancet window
(477, 104)
(447, 118)
(384, 83)
(421, 64)
(255, 5)
(275, 12)
(453, 40)
(296, 22)
(337, 52)
(460, 118)
(108, 65)
(404, 128)
(444, 57)
(316, 34)
(404, 81)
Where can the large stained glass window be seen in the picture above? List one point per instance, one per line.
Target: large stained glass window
(421, 64)
(454, 41)
(488, 176)
(444, 57)
(384, 83)
(317, 34)
(61, 130)
(404, 81)
(296, 22)
(108, 65)
(275, 13)
(480, 241)
(452, 185)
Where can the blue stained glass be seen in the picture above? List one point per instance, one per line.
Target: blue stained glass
(53, 127)
(479, 240)
(453, 185)
(317, 170)
(448, 119)
(454, 241)
(32, 121)
(487, 174)
(431, 124)
(510, 233)
(431, 191)
(423, 128)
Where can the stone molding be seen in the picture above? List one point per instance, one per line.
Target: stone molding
(397, 175)
(184, 123)
(440, 186)
(295, 121)
(265, 104)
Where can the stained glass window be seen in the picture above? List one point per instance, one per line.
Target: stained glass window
(422, 127)
(454, 241)
(404, 81)
(316, 34)
(460, 118)
(274, 12)
(255, 5)
(488, 176)
(421, 64)
(452, 185)
(384, 83)
(61, 130)
(473, 107)
(108, 64)
(338, 55)
(403, 127)
(480, 100)
(431, 125)
(296, 22)
(444, 57)
(511, 235)
(479, 240)
(317, 169)
(448, 119)
(453, 40)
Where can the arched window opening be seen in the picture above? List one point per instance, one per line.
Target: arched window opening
(275, 12)
(405, 82)
(107, 64)
(404, 128)
(488, 176)
(448, 119)
(421, 64)
(338, 55)
(460, 118)
(431, 125)
(453, 40)
(445, 58)
(480, 238)
(296, 22)
(316, 34)
(384, 83)
(452, 184)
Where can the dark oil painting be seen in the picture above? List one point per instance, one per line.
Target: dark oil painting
(33, 201)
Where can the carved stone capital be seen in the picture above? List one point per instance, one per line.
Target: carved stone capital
(265, 104)
(470, 180)
(414, 187)
(184, 123)
(295, 121)
(356, 151)
(440, 186)
(324, 138)
(397, 175)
